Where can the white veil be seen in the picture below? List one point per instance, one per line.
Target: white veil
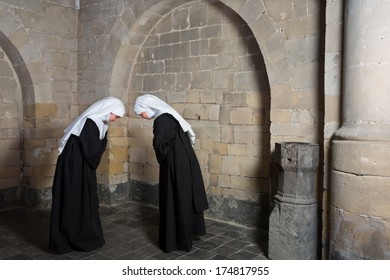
(154, 106)
(99, 113)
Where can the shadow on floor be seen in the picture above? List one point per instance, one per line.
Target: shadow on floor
(131, 233)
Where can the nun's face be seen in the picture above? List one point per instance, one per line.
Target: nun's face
(113, 117)
(144, 115)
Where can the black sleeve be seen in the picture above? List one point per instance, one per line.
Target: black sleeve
(164, 132)
(91, 145)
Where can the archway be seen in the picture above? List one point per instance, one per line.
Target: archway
(16, 83)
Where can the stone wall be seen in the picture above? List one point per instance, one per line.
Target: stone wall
(204, 60)
(332, 100)
(39, 38)
(11, 121)
(246, 74)
(248, 79)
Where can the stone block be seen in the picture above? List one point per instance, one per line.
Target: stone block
(179, 19)
(293, 232)
(198, 16)
(181, 50)
(212, 31)
(190, 64)
(190, 35)
(230, 165)
(202, 80)
(170, 38)
(152, 82)
(241, 116)
(293, 220)
(303, 50)
(304, 76)
(361, 157)
(214, 163)
(368, 196)
(207, 63)
(162, 52)
(358, 237)
(193, 111)
(137, 155)
(252, 10)
(301, 27)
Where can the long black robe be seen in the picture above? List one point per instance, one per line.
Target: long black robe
(182, 196)
(75, 222)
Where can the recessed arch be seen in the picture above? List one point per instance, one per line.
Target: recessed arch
(131, 48)
(270, 39)
(14, 132)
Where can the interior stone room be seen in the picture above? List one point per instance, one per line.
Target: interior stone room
(289, 99)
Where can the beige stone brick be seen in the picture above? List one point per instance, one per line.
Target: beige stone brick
(219, 148)
(115, 131)
(138, 155)
(116, 168)
(241, 116)
(118, 154)
(243, 137)
(230, 165)
(250, 184)
(19, 38)
(369, 195)
(280, 115)
(304, 75)
(227, 134)
(151, 174)
(40, 182)
(281, 97)
(224, 180)
(215, 163)
(216, 191)
(194, 111)
(119, 142)
(237, 149)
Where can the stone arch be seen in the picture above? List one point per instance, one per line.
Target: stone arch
(13, 195)
(267, 21)
(132, 43)
(271, 40)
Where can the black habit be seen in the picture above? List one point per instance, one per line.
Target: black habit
(182, 196)
(75, 222)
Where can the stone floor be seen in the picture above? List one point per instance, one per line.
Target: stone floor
(131, 233)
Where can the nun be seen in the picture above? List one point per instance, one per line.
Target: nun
(182, 196)
(75, 222)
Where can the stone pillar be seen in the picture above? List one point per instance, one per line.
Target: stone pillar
(360, 187)
(293, 224)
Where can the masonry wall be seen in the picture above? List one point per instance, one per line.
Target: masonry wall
(246, 80)
(246, 74)
(39, 43)
(204, 60)
(10, 133)
(333, 62)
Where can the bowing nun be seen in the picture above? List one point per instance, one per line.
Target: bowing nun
(182, 196)
(75, 222)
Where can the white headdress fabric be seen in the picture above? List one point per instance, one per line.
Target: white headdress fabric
(98, 112)
(154, 106)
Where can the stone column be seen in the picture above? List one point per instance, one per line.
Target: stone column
(293, 224)
(360, 187)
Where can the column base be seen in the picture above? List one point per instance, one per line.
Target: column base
(360, 195)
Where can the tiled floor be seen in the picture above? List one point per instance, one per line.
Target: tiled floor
(131, 233)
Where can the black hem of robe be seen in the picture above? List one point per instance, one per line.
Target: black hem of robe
(75, 223)
(182, 196)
